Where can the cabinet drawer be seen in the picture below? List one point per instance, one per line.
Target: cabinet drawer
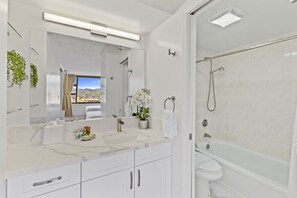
(106, 165)
(69, 192)
(43, 182)
(152, 153)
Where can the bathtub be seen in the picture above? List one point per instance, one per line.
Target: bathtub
(248, 173)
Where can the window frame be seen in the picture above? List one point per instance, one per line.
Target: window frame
(76, 89)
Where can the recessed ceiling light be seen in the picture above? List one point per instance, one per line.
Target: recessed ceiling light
(226, 19)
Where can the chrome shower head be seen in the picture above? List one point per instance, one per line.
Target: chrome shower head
(219, 69)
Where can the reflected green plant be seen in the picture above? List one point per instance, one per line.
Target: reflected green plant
(33, 76)
(16, 68)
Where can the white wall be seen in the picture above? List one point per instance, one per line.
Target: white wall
(18, 96)
(136, 78)
(136, 63)
(172, 76)
(38, 94)
(256, 99)
(79, 63)
(168, 76)
(3, 107)
(111, 59)
(164, 77)
(53, 81)
(111, 74)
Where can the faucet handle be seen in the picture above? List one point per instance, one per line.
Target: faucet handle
(114, 116)
(120, 121)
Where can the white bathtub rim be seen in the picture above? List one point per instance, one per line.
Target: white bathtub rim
(250, 174)
(201, 144)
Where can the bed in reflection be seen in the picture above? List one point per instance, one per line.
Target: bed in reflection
(93, 112)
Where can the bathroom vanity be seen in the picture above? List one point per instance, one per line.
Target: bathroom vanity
(133, 163)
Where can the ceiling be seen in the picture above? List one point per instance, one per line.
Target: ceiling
(78, 56)
(262, 20)
(78, 45)
(136, 16)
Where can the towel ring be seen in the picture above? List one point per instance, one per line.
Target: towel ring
(172, 98)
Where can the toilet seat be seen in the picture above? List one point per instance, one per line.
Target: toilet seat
(207, 170)
(206, 164)
(210, 166)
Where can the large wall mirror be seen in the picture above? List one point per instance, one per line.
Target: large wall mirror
(71, 74)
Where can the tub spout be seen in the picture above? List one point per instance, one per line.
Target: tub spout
(206, 135)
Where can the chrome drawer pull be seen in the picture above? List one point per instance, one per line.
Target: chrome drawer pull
(131, 180)
(138, 178)
(47, 181)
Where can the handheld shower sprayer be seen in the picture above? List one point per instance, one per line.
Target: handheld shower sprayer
(211, 85)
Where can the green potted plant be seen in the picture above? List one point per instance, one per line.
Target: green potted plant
(33, 76)
(142, 99)
(16, 68)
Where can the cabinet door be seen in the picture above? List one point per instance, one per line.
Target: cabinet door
(153, 180)
(115, 185)
(69, 192)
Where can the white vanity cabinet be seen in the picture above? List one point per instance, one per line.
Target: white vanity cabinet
(141, 173)
(69, 192)
(153, 172)
(55, 183)
(145, 173)
(119, 184)
(109, 177)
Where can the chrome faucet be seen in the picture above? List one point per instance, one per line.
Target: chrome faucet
(119, 124)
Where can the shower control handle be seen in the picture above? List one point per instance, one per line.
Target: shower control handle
(204, 123)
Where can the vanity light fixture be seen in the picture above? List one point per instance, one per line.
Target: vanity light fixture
(94, 28)
(293, 1)
(227, 18)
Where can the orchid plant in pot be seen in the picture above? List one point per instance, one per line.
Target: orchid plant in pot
(143, 100)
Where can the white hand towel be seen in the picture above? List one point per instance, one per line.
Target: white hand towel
(169, 124)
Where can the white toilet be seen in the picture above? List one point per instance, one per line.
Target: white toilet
(207, 170)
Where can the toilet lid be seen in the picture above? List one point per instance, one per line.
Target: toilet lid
(210, 167)
(200, 158)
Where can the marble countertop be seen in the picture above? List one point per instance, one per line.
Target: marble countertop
(23, 159)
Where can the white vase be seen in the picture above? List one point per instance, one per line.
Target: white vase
(143, 124)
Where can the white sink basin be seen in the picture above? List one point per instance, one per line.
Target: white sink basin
(114, 137)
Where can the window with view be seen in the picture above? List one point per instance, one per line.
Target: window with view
(86, 89)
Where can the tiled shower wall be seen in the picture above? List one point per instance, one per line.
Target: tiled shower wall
(256, 99)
